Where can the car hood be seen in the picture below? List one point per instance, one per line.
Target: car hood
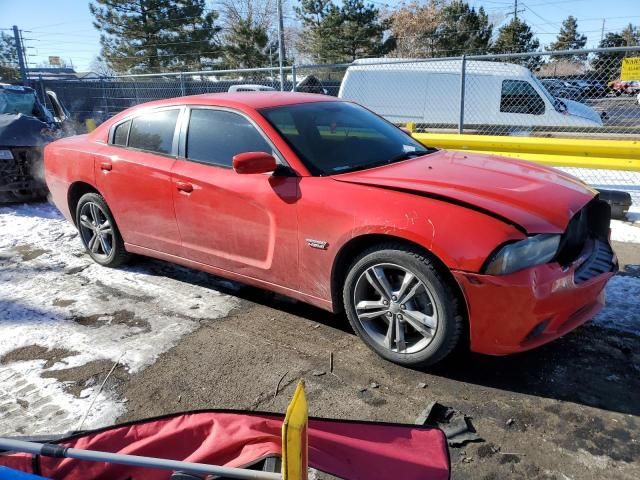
(583, 111)
(535, 198)
(17, 130)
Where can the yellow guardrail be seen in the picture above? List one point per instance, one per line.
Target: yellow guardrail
(557, 152)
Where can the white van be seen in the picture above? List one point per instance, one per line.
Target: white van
(428, 92)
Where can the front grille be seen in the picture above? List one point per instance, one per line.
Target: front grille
(600, 261)
(590, 223)
(588, 231)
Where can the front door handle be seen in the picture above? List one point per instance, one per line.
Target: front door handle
(184, 187)
(106, 166)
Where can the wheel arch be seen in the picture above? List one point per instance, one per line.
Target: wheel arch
(359, 244)
(75, 192)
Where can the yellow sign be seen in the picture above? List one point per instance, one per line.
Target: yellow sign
(54, 61)
(295, 452)
(630, 69)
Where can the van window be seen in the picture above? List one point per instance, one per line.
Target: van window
(153, 131)
(121, 133)
(216, 136)
(519, 96)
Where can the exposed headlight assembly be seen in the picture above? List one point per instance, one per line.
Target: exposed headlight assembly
(5, 154)
(526, 253)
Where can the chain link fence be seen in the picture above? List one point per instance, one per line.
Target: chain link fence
(577, 94)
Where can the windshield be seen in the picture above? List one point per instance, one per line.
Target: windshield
(338, 137)
(14, 102)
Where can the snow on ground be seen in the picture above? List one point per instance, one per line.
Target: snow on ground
(52, 295)
(621, 311)
(628, 231)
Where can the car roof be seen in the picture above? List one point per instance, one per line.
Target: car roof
(234, 100)
(475, 67)
(254, 100)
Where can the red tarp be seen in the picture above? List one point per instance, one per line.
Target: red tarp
(347, 449)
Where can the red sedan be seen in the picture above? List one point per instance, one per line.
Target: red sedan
(324, 201)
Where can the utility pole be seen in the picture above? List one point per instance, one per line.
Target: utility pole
(20, 53)
(515, 9)
(602, 32)
(281, 43)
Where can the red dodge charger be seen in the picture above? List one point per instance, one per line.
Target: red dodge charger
(324, 201)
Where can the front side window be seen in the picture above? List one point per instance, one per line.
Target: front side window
(216, 136)
(337, 137)
(121, 133)
(154, 131)
(519, 96)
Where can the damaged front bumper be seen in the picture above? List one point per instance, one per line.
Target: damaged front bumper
(526, 309)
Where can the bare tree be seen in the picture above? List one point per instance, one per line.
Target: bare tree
(101, 67)
(413, 28)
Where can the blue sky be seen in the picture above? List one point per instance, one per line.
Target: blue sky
(64, 27)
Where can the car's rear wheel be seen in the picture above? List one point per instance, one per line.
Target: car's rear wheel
(402, 306)
(99, 232)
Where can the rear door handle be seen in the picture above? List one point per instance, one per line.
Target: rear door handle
(184, 187)
(106, 166)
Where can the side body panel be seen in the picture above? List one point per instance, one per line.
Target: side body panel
(461, 238)
(138, 190)
(67, 161)
(245, 223)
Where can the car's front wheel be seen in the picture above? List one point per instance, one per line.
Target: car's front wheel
(99, 232)
(402, 306)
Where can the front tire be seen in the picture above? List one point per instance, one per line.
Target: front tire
(99, 232)
(402, 306)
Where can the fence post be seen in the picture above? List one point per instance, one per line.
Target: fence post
(293, 76)
(43, 92)
(182, 92)
(463, 65)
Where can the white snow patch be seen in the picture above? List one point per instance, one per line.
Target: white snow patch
(629, 230)
(137, 310)
(621, 311)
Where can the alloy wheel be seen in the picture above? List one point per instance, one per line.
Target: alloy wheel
(395, 308)
(96, 230)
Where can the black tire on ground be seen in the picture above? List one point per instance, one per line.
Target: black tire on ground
(118, 255)
(446, 300)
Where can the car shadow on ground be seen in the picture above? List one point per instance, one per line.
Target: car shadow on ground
(592, 366)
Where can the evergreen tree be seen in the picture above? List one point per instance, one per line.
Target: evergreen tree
(321, 25)
(361, 30)
(340, 34)
(608, 64)
(517, 37)
(9, 72)
(462, 29)
(246, 45)
(569, 39)
(156, 35)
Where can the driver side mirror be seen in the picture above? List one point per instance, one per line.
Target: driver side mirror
(254, 162)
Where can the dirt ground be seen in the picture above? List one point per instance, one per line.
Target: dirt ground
(569, 410)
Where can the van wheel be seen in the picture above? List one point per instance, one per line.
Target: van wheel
(99, 232)
(402, 306)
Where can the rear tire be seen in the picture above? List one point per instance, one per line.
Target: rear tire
(402, 306)
(98, 231)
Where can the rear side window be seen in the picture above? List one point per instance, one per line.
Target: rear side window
(153, 131)
(121, 133)
(216, 136)
(519, 96)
